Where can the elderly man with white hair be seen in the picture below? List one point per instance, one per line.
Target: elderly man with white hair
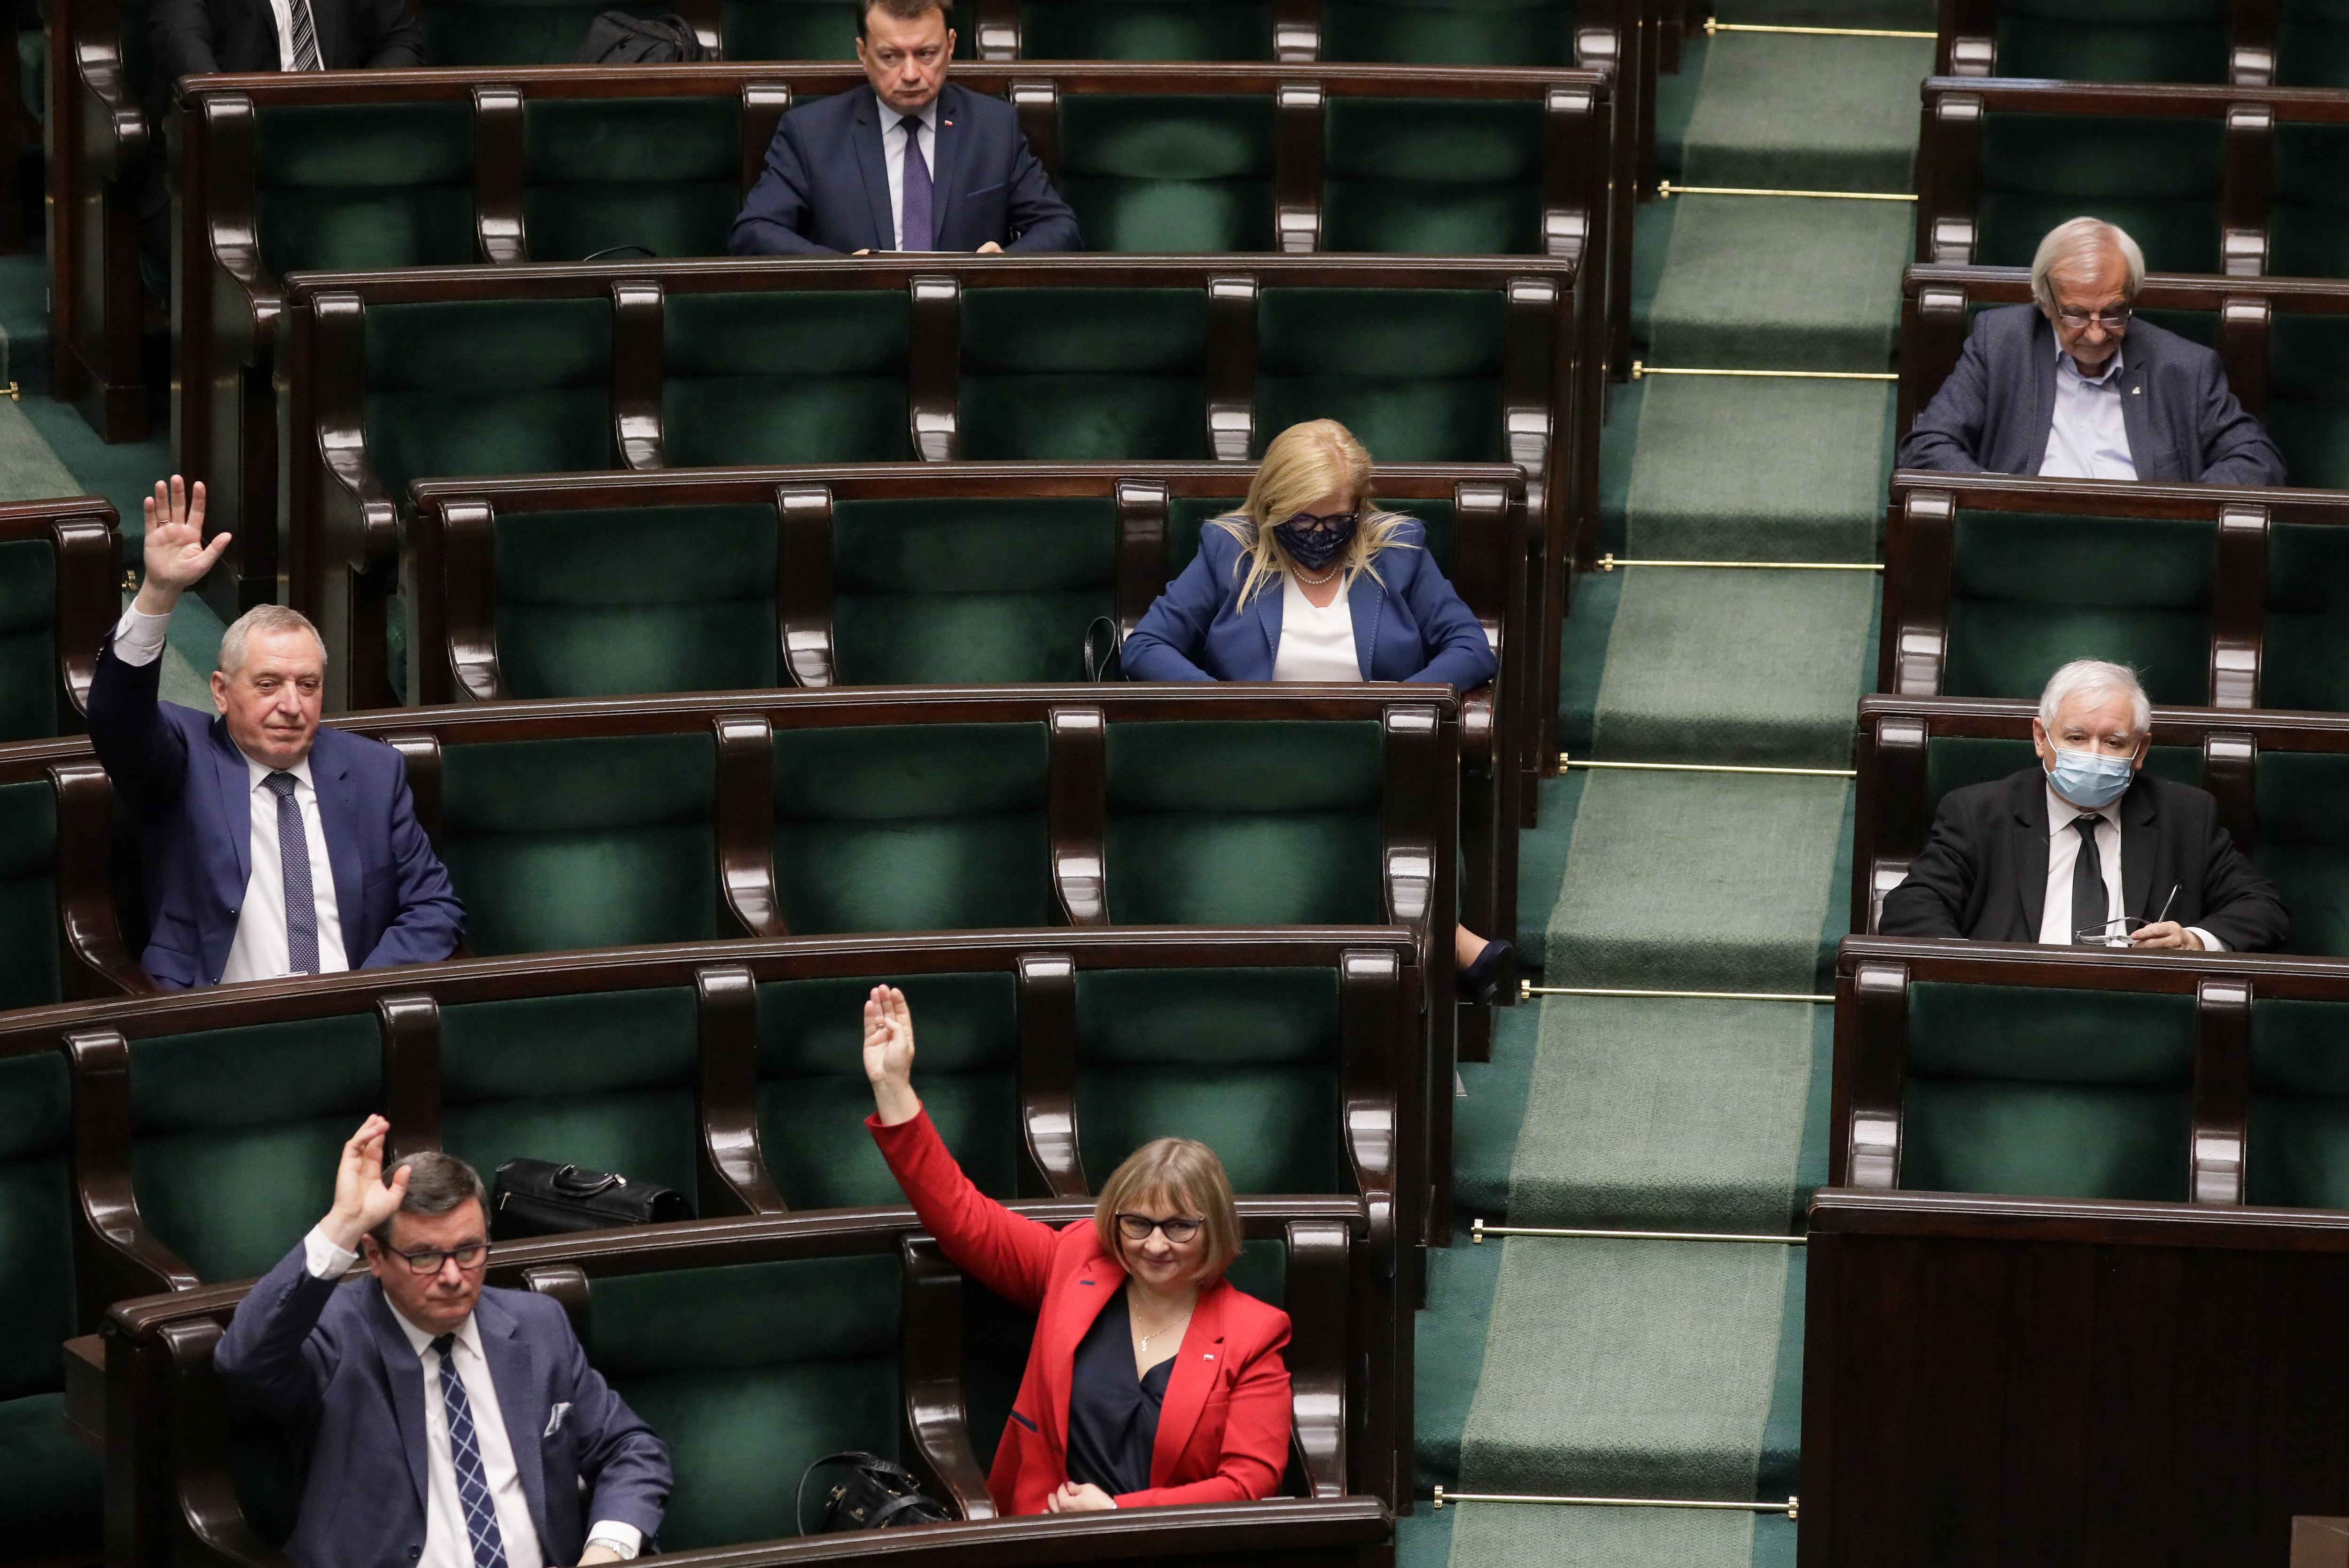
(2087, 848)
(2073, 387)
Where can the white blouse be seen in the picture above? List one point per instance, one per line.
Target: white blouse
(1316, 644)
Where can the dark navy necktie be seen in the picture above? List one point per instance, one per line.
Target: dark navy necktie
(472, 1480)
(2088, 900)
(301, 899)
(916, 202)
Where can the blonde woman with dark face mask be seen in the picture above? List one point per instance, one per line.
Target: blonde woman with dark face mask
(1311, 581)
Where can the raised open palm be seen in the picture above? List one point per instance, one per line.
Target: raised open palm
(176, 554)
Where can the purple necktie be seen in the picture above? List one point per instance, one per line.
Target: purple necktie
(917, 200)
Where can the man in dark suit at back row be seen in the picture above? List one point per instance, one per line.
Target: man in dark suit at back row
(2087, 848)
(910, 163)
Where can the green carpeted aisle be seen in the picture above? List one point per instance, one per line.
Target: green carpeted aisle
(1668, 1369)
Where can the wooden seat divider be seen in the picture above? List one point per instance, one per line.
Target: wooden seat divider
(75, 542)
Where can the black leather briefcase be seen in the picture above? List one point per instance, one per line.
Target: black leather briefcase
(540, 1198)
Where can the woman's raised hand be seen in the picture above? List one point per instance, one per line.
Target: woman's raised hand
(889, 1055)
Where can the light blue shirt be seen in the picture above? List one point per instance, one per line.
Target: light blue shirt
(2088, 440)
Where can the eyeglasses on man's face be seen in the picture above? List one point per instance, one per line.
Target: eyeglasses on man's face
(2079, 320)
(1137, 1228)
(1309, 522)
(471, 1255)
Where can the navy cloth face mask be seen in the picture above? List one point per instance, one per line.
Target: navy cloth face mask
(2091, 779)
(1315, 548)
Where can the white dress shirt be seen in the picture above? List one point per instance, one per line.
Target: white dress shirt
(260, 951)
(447, 1544)
(283, 12)
(2088, 438)
(893, 152)
(1317, 642)
(2064, 854)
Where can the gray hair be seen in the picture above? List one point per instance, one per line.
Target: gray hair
(2094, 678)
(438, 1184)
(2081, 241)
(262, 618)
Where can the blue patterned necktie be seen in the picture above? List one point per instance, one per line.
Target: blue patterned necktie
(301, 899)
(917, 198)
(472, 1482)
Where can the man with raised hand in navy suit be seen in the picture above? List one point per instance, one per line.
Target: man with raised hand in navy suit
(441, 1425)
(912, 163)
(270, 846)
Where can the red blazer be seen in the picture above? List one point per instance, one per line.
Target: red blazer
(1222, 1430)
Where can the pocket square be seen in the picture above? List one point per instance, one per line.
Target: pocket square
(554, 1420)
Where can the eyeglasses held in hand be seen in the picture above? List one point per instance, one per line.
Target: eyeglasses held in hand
(2110, 937)
(1137, 1228)
(1308, 522)
(2110, 319)
(469, 1257)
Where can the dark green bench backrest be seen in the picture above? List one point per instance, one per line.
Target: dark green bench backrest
(813, 1097)
(1953, 762)
(1168, 173)
(2304, 845)
(1433, 176)
(2052, 1093)
(602, 1081)
(1261, 822)
(2308, 221)
(2307, 397)
(488, 386)
(372, 185)
(29, 900)
(1449, 32)
(1187, 518)
(1085, 374)
(1414, 374)
(810, 377)
(2030, 592)
(750, 1373)
(2312, 45)
(2299, 1135)
(2156, 177)
(235, 1133)
(808, 30)
(28, 639)
(1145, 29)
(913, 827)
(2115, 40)
(662, 173)
(2305, 663)
(591, 843)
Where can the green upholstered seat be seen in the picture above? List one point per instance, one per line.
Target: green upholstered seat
(750, 1373)
(1187, 518)
(2308, 400)
(2303, 844)
(913, 827)
(1145, 29)
(28, 640)
(1165, 173)
(1414, 374)
(2305, 663)
(2299, 1148)
(235, 1133)
(650, 599)
(662, 173)
(488, 386)
(814, 377)
(2308, 221)
(29, 904)
(2158, 178)
(943, 593)
(1449, 32)
(602, 1080)
(1433, 176)
(1244, 1061)
(374, 185)
(802, 30)
(2313, 43)
(592, 842)
(1953, 762)
(2052, 1093)
(51, 1487)
(2029, 593)
(813, 1097)
(1250, 822)
(515, 32)
(2115, 40)
(1077, 374)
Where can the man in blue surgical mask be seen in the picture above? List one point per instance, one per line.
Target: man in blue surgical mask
(2087, 848)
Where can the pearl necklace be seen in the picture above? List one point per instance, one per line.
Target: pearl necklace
(1321, 580)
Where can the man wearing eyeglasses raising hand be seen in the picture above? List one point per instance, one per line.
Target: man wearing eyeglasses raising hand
(2073, 386)
(442, 1424)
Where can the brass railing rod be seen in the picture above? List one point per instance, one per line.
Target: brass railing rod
(1609, 563)
(1565, 759)
(1527, 991)
(1666, 190)
(1641, 370)
(1790, 1508)
(1712, 26)
(1479, 1230)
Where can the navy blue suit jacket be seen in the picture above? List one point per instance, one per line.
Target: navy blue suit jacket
(187, 787)
(1992, 416)
(328, 1363)
(1411, 627)
(825, 189)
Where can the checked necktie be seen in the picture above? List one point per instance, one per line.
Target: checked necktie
(920, 235)
(301, 899)
(473, 1484)
(306, 37)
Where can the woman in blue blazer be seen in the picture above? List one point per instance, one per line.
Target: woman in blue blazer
(1311, 581)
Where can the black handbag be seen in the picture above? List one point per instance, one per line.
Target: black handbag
(540, 1198)
(874, 1494)
(1104, 665)
(616, 38)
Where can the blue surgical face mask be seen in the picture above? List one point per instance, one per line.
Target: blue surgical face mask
(2090, 778)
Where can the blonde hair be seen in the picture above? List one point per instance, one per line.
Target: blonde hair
(1187, 1174)
(2078, 243)
(1304, 463)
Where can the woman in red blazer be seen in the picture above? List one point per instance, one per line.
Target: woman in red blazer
(1151, 1380)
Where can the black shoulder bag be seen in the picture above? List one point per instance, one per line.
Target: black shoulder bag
(876, 1494)
(540, 1198)
(1107, 664)
(618, 38)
